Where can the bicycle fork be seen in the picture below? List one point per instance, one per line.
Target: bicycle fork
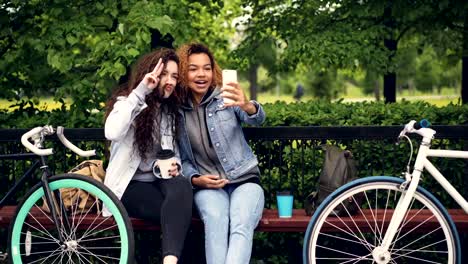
(381, 253)
(51, 202)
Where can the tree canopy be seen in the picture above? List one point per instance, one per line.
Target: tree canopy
(82, 49)
(357, 34)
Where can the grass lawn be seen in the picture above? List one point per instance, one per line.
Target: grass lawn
(353, 94)
(435, 100)
(44, 103)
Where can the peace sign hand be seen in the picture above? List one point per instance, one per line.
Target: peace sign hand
(151, 79)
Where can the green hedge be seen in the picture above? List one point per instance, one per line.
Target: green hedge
(322, 113)
(311, 113)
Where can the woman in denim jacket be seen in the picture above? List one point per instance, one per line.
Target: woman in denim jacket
(141, 119)
(217, 159)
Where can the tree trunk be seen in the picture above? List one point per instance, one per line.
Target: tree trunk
(377, 91)
(464, 90)
(253, 78)
(390, 87)
(464, 82)
(390, 43)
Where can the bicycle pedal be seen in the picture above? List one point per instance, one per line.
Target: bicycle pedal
(3, 256)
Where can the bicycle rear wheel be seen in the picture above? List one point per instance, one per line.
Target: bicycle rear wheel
(426, 235)
(90, 238)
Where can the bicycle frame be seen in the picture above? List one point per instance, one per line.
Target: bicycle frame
(45, 185)
(422, 163)
(23, 178)
(441, 179)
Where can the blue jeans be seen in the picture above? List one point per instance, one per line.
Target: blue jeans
(230, 216)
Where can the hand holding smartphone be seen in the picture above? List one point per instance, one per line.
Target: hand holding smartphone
(229, 76)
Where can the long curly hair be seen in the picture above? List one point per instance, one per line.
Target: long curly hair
(184, 53)
(147, 131)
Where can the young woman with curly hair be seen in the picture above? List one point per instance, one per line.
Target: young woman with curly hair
(216, 157)
(142, 119)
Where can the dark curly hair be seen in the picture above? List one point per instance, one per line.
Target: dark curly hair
(147, 123)
(184, 53)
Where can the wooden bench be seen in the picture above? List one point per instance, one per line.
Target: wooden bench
(270, 221)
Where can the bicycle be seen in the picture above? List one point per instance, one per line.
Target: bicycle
(46, 230)
(393, 215)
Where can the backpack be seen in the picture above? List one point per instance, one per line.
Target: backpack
(338, 169)
(93, 169)
(74, 196)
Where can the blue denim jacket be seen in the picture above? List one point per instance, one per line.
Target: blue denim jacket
(225, 131)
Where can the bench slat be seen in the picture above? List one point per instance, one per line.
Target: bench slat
(270, 221)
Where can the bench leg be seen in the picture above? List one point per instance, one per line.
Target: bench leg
(294, 249)
(463, 245)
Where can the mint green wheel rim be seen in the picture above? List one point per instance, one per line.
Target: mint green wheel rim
(68, 183)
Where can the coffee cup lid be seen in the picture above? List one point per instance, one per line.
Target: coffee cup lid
(165, 154)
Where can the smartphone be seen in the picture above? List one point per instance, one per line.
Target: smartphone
(229, 76)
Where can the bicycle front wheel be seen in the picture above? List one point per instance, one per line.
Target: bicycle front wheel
(426, 235)
(88, 236)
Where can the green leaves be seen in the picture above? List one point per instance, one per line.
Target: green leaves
(162, 23)
(350, 34)
(81, 49)
(133, 52)
(119, 69)
(59, 61)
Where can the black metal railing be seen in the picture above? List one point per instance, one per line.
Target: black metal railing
(289, 157)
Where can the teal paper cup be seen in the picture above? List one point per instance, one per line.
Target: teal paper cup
(285, 204)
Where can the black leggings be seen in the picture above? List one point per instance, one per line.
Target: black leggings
(164, 202)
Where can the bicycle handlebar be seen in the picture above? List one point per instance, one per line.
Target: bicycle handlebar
(33, 133)
(424, 123)
(37, 133)
(421, 128)
(69, 145)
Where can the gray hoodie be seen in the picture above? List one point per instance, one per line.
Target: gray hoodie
(205, 155)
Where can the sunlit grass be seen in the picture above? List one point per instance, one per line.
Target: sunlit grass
(353, 91)
(443, 101)
(353, 94)
(46, 103)
(438, 101)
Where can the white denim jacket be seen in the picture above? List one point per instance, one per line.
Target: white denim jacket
(119, 128)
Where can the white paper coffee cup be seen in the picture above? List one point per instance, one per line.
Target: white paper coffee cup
(164, 160)
(164, 167)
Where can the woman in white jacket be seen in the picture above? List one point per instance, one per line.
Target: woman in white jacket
(141, 119)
